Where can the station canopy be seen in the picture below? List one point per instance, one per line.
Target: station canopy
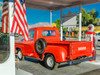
(57, 4)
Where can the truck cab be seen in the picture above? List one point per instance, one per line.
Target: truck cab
(48, 33)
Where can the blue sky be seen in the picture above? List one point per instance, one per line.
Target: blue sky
(36, 16)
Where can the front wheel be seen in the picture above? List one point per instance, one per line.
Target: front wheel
(49, 61)
(20, 55)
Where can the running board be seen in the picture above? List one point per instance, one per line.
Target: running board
(71, 62)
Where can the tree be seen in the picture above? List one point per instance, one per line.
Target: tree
(65, 29)
(0, 29)
(58, 23)
(94, 13)
(89, 17)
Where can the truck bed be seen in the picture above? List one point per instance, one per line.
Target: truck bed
(75, 49)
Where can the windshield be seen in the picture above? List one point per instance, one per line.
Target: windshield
(31, 34)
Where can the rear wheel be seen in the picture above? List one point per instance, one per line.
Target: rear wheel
(49, 61)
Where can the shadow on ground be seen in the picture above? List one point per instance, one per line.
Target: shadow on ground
(94, 72)
(31, 59)
(42, 63)
(35, 61)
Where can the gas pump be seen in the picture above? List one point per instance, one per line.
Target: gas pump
(90, 36)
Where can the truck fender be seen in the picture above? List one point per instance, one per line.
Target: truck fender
(20, 47)
(59, 53)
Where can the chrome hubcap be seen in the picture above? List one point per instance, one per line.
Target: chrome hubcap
(50, 62)
(20, 54)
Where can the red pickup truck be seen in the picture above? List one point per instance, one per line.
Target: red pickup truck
(45, 44)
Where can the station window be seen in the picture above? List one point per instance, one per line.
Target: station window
(49, 33)
(4, 47)
(4, 41)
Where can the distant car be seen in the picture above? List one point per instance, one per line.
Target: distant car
(97, 36)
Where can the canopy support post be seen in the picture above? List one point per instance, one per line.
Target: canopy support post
(80, 21)
(51, 17)
(12, 42)
(61, 27)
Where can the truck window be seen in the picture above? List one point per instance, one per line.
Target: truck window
(49, 33)
(31, 34)
(4, 47)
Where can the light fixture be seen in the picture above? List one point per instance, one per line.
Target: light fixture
(51, 2)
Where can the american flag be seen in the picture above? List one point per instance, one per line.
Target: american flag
(5, 13)
(20, 22)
